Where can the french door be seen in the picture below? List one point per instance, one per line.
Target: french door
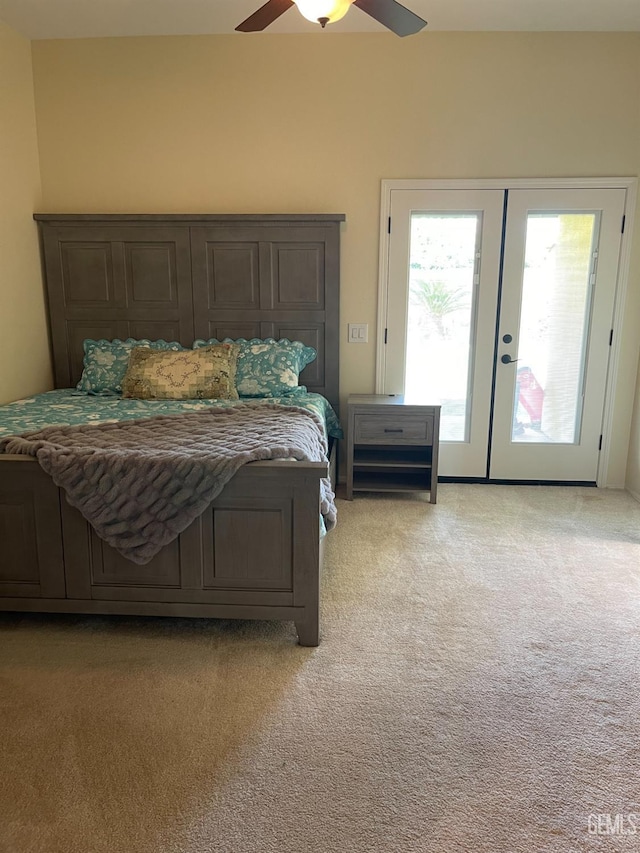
(500, 309)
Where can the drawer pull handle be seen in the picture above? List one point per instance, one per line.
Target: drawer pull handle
(394, 430)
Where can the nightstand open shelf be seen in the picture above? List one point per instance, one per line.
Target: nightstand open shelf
(392, 457)
(368, 481)
(391, 446)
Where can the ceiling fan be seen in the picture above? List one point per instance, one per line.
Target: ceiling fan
(389, 13)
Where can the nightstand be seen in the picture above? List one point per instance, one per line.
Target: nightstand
(392, 446)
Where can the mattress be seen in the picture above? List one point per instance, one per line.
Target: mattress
(69, 407)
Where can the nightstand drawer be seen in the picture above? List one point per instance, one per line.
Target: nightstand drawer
(390, 429)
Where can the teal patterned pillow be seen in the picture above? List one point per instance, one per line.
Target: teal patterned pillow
(106, 362)
(268, 368)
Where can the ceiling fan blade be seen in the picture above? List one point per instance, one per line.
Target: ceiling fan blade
(265, 15)
(397, 18)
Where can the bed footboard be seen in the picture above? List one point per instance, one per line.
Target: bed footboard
(255, 553)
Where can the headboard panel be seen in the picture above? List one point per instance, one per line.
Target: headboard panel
(181, 277)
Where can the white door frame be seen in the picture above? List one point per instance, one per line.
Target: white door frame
(629, 184)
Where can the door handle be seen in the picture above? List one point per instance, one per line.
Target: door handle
(506, 359)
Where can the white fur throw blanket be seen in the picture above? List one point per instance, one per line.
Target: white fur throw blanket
(140, 483)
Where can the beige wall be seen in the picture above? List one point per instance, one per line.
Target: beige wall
(25, 369)
(633, 462)
(632, 481)
(312, 123)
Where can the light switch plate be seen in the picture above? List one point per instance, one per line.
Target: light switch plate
(358, 333)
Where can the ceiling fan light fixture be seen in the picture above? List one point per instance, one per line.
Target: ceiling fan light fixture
(323, 11)
(391, 14)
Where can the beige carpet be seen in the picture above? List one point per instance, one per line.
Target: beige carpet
(477, 689)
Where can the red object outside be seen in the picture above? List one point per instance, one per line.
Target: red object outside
(530, 395)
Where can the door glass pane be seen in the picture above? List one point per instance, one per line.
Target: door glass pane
(554, 325)
(441, 311)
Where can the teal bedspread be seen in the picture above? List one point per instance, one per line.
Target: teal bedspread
(68, 407)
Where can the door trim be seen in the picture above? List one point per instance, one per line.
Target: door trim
(627, 183)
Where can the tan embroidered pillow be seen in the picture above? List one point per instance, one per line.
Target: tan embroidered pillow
(203, 374)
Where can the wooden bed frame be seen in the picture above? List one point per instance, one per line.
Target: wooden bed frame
(256, 552)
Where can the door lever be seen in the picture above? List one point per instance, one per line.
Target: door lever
(506, 359)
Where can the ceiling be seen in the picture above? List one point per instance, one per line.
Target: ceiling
(42, 19)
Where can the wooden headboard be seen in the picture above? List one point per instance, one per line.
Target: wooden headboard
(182, 277)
